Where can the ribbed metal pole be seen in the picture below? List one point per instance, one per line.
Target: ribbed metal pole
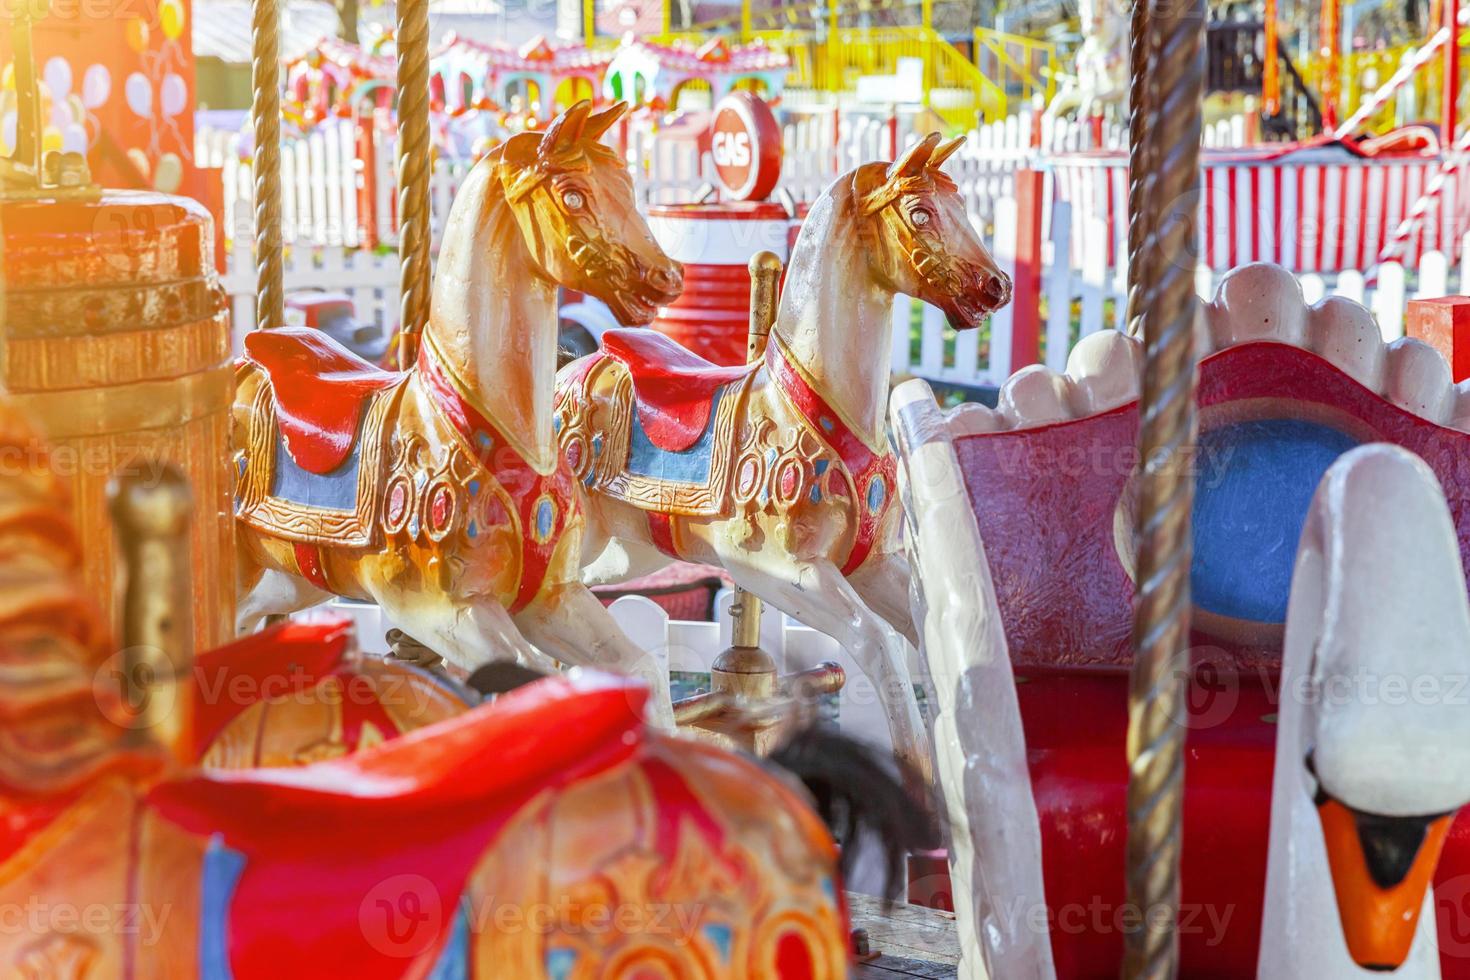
(1138, 166)
(1158, 685)
(415, 162)
(265, 118)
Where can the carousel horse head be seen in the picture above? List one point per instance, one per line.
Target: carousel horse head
(919, 238)
(1377, 649)
(573, 200)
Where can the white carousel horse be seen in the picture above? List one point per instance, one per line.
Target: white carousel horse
(1367, 782)
(1101, 80)
(779, 471)
(437, 492)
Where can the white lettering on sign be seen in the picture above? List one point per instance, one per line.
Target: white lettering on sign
(731, 149)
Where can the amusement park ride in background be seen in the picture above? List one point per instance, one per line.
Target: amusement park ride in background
(1254, 490)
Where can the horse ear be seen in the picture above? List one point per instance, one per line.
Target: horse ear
(603, 121)
(912, 163)
(944, 151)
(565, 129)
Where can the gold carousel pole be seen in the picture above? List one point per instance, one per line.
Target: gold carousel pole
(1138, 166)
(1170, 308)
(265, 119)
(415, 165)
(745, 669)
(152, 520)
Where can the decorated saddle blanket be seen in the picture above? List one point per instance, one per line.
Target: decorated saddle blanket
(312, 459)
(648, 422)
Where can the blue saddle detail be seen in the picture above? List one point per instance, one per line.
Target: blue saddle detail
(221, 872)
(691, 465)
(336, 490)
(454, 959)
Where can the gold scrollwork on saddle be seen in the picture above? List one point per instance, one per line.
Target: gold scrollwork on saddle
(596, 440)
(353, 526)
(431, 496)
(778, 467)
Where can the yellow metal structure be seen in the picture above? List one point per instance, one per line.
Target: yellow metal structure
(829, 58)
(1364, 71)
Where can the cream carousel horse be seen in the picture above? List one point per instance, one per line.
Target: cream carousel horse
(437, 493)
(1101, 79)
(779, 472)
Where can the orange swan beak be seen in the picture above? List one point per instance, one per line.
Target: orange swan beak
(1381, 868)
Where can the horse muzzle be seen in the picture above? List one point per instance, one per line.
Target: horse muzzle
(983, 294)
(641, 290)
(1381, 869)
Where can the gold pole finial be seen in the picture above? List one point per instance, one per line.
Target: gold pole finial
(265, 119)
(151, 518)
(415, 165)
(1169, 308)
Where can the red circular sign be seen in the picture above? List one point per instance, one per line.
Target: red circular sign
(745, 144)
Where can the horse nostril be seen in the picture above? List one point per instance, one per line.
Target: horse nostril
(670, 279)
(998, 289)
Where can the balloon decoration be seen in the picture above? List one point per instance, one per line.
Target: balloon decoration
(173, 96)
(57, 75)
(138, 34)
(96, 86)
(139, 95)
(171, 18)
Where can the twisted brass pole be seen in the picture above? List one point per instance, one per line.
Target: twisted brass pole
(1157, 688)
(1138, 165)
(415, 163)
(265, 118)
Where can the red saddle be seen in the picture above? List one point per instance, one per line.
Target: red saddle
(320, 388)
(405, 820)
(673, 388)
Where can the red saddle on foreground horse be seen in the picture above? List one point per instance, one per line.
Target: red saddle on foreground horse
(551, 834)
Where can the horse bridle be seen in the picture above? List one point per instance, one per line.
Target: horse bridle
(933, 263)
(591, 250)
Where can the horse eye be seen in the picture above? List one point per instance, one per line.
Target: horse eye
(573, 200)
(920, 217)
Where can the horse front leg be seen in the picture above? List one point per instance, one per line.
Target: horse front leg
(883, 584)
(569, 623)
(467, 631)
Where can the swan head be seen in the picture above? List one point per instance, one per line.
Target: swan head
(1380, 619)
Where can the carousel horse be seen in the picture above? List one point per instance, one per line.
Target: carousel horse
(1021, 519)
(550, 835)
(436, 492)
(1100, 83)
(778, 471)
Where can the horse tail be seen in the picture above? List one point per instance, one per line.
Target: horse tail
(859, 794)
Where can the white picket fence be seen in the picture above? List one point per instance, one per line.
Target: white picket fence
(1084, 268)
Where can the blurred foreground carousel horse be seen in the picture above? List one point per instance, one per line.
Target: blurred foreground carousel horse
(1328, 725)
(437, 492)
(779, 471)
(552, 834)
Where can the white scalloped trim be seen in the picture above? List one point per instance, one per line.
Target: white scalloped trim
(1254, 302)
